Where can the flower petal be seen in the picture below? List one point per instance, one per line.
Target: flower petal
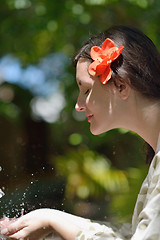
(101, 67)
(95, 52)
(103, 57)
(106, 76)
(115, 53)
(93, 68)
(108, 43)
(120, 49)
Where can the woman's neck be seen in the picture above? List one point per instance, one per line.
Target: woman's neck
(144, 118)
(150, 125)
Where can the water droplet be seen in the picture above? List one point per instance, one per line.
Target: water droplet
(1, 193)
(22, 212)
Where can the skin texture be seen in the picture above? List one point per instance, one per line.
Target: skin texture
(106, 107)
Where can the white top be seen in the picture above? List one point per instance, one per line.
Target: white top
(146, 217)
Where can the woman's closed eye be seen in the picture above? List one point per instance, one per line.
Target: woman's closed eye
(86, 92)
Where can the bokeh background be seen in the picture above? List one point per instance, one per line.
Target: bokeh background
(48, 157)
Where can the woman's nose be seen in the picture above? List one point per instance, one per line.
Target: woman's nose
(80, 106)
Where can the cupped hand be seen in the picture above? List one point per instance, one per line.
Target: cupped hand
(32, 226)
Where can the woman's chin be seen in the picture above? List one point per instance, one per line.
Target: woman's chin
(96, 131)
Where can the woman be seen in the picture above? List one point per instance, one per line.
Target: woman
(118, 75)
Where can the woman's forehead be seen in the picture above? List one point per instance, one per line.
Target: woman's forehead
(82, 74)
(83, 64)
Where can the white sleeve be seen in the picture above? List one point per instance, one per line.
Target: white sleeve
(149, 221)
(98, 231)
(147, 229)
(148, 226)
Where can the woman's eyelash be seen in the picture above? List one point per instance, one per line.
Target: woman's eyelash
(87, 91)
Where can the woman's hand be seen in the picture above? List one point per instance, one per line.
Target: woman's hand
(39, 223)
(33, 225)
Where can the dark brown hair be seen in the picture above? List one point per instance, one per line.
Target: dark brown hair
(139, 61)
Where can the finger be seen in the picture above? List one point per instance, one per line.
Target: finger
(25, 234)
(19, 235)
(4, 222)
(12, 228)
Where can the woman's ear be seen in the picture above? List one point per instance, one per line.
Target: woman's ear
(123, 88)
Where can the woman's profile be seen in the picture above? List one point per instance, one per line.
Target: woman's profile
(118, 75)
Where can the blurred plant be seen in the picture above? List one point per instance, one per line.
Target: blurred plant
(123, 202)
(89, 174)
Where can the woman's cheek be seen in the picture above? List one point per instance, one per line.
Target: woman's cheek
(90, 101)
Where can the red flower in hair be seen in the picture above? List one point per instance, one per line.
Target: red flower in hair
(103, 57)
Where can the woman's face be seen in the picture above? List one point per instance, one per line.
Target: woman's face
(98, 101)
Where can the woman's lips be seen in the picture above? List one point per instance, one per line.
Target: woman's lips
(89, 117)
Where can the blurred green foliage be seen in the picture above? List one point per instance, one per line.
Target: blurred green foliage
(111, 164)
(89, 174)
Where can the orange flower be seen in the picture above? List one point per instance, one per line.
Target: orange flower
(103, 57)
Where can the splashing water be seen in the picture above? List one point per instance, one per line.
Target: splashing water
(1, 193)
(5, 221)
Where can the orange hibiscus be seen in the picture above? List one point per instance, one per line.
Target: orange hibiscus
(103, 57)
